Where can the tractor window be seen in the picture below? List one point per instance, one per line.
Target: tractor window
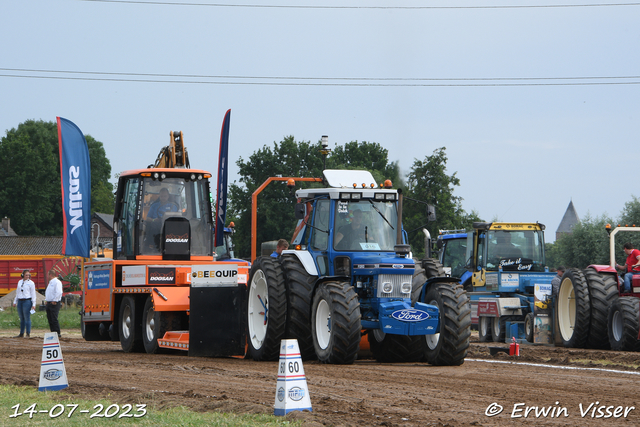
(517, 250)
(320, 233)
(128, 218)
(454, 256)
(365, 225)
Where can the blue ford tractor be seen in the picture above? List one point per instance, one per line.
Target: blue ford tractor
(348, 277)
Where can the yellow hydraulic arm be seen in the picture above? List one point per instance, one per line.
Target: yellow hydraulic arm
(173, 155)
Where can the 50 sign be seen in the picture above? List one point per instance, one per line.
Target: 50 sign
(51, 353)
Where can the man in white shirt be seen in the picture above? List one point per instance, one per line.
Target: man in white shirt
(25, 300)
(53, 295)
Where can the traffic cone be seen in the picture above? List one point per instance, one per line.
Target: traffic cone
(292, 393)
(53, 376)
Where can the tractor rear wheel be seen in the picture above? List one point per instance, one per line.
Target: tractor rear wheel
(336, 326)
(266, 309)
(574, 309)
(484, 328)
(299, 285)
(602, 293)
(528, 326)
(624, 324)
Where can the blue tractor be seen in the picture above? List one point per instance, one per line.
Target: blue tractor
(348, 277)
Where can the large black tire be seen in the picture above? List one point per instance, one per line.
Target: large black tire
(624, 324)
(90, 331)
(266, 309)
(484, 328)
(388, 348)
(336, 323)
(155, 324)
(603, 292)
(528, 326)
(299, 294)
(574, 309)
(449, 347)
(130, 325)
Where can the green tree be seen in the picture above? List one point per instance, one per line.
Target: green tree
(587, 244)
(429, 182)
(31, 194)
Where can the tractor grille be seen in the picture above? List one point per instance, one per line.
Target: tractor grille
(396, 280)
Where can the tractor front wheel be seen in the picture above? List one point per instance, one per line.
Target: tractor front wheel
(574, 309)
(624, 324)
(336, 326)
(130, 326)
(155, 324)
(528, 326)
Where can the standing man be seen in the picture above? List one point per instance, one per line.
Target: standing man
(632, 265)
(555, 282)
(281, 246)
(53, 295)
(25, 300)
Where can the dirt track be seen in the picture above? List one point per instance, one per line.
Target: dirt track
(364, 394)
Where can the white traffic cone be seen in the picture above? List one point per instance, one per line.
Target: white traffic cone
(53, 376)
(292, 393)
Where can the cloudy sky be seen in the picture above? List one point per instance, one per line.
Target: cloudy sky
(537, 103)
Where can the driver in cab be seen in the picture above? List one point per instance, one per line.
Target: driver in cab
(350, 235)
(162, 205)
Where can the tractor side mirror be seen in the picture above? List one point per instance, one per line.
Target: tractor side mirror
(439, 244)
(431, 213)
(300, 210)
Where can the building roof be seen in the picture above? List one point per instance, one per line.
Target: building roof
(107, 219)
(31, 245)
(5, 228)
(569, 219)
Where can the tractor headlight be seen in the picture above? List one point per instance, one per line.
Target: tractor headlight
(405, 288)
(387, 287)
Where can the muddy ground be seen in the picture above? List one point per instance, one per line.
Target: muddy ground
(366, 393)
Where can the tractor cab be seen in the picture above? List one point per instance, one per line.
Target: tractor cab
(163, 214)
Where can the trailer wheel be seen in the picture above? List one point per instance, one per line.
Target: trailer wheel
(90, 331)
(574, 309)
(389, 348)
(603, 291)
(497, 329)
(449, 347)
(336, 323)
(299, 294)
(484, 328)
(528, 326)
(155, 324)
(266, 309)
(624, 324)
(130, 326)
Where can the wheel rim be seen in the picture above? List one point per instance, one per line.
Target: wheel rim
(484, 328)
(432, 340)
(496, 327)
(258, 309)
(566, 309)
(323, 324)
(150, 323)
(126, 322)
(527, 325)
(616, 326)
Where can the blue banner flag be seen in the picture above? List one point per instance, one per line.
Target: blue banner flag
(221, 199)
(75, 177)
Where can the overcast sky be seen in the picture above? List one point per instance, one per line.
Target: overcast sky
(536, 106)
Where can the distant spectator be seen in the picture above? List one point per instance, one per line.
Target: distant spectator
(25, 300)
(555, 283)
(632, 265)
(53, 295)
(282, 245)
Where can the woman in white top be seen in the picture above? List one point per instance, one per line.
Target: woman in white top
(25, 300)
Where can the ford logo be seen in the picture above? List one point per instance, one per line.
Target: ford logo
(398, 265)
(410, 315)
(53, 374)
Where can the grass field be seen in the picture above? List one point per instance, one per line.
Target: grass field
(63, 410)
(68, 319)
